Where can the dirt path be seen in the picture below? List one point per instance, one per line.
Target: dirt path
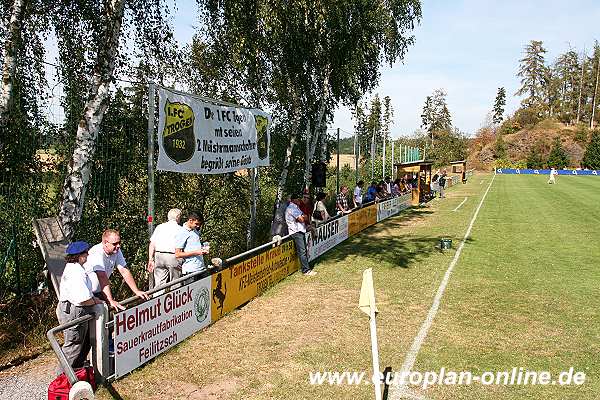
(29, 380)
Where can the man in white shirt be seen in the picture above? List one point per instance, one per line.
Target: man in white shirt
(296, 220)
(161, 251)
(103, 258)
(357, 197)
(552, 178)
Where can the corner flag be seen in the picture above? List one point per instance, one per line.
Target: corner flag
(367, 293)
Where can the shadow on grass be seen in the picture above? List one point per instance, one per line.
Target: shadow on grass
(399, 249)
(112, 391)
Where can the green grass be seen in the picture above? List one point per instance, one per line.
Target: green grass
(524, 293)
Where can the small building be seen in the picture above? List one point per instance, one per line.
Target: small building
(419, 171)
(460, 167)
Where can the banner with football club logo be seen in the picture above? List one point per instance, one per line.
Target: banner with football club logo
(148, 329)
(576, 172)
(196, 136)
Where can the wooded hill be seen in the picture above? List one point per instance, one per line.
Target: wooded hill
(530, 147)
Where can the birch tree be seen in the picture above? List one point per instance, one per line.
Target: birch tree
(79, 169)
(9, 64)
(313, 56)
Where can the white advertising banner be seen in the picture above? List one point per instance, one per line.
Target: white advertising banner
(199, 137)
(145, 331)
(326, 237)
(387, 208)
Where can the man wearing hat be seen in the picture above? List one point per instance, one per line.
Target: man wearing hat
(75, 300)
(103, 259)
(296, 221)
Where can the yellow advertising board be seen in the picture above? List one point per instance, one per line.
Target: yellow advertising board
(359, 220)
(242, 282)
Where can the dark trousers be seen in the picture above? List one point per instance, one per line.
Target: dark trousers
(301, 251)
(77, 338)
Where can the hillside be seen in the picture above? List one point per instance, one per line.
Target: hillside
(521, 143)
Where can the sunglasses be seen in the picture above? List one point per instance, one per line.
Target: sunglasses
(115, 243)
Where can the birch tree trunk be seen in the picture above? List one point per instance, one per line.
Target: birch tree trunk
(79, 169)
(595, 95)
(10, 64)
(580, 90)
(286, 165)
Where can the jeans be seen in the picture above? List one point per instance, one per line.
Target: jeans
(301, 251)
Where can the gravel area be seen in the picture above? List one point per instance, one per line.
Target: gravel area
(29, 380)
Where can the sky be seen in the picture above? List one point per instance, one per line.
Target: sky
(469, 48)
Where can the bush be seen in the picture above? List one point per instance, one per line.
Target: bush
(535, 158)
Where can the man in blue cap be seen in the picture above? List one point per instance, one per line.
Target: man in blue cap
(75, 300)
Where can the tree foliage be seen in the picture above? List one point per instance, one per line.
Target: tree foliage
(591, 157)
(557, 158)
(436, 117)
(499, 104)
(531, 71)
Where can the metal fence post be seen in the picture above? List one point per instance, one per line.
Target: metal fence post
(100, 339)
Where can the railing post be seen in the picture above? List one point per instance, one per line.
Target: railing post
(100, 339)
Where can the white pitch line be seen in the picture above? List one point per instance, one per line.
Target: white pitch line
(460, 205)
(411, 356)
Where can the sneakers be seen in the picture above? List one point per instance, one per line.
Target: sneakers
(310, 273)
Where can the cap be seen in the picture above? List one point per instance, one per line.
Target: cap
(77, 248)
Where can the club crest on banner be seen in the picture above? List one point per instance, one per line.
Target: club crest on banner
(178, 136)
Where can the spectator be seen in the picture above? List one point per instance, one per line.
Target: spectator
(396, 191)
(279, 226)
(102, 260)
(341, 201)
(320, 213)
(442, 184)
(76, 300)
(188, 244)
(388, 185)
(371, 192)
(296, 222)
(161, 251)
(306, 206)
(434, 183)
(357, 196)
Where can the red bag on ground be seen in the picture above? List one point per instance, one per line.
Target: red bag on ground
(59, 387)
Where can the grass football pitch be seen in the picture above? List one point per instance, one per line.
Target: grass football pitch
(524, 293)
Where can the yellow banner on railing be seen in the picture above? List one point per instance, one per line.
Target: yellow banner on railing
(361, 219)
(242, 282)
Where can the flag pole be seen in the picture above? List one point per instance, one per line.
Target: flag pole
(367, 304)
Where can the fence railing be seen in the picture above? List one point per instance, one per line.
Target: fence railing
(188, 304)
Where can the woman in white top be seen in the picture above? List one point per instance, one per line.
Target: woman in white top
(76, 299)
(320, 214)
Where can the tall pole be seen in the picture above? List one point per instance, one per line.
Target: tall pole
(150, 214)
(338, 161)
(383, 157)
(372, 156)
(356, 154)
(150, 217)
(392, 174)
